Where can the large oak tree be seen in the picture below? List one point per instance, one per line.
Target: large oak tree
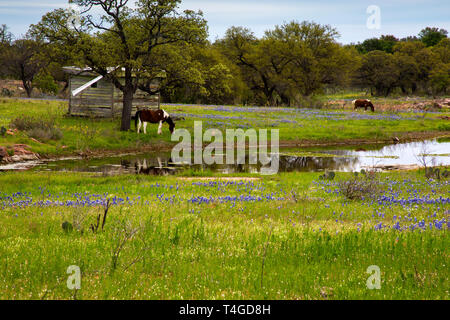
(113, 33)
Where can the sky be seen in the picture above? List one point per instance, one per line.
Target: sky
(400, 18)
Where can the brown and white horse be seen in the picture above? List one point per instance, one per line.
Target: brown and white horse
(143, 117)
(363, 103)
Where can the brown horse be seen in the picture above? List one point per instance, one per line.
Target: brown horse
(363, 103)
(153, 116)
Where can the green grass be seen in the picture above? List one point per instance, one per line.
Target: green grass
(187, 250)
(81, 135)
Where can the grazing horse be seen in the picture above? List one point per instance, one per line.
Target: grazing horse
(153, 116)
(363, 103)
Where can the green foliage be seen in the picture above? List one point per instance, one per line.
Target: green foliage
(22, 60)
(46, 83)
(378, 70)
(440, 78)
(290, 61)
(130, 42)
(385, 43)
(311, 102)
(432, 36)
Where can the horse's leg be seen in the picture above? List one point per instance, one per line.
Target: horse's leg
(145, 127)
(160, 128)
(139, 125)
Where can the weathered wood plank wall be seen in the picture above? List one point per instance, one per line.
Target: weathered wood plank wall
(105, 100)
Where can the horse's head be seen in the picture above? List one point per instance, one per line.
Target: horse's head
(171, 124)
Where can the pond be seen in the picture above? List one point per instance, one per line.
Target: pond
(382, 157)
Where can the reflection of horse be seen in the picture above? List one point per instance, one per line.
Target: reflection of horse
(363, 103)
(153, 116)
(144, 168)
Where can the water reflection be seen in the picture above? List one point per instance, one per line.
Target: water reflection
(385, 157)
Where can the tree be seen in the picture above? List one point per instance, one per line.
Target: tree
(303, 57)
(442, 49)
(21, 61)
(6, 37)
(123, 37)
(407, 71)
(385, 43)
(432, 36)
(378, 71)
(294, 58)
(242, 48)
(440, 79)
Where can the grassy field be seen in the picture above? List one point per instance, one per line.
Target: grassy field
(289, 236)
(302, 126)
(201, 235)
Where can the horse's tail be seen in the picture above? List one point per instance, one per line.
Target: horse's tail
(136, 118)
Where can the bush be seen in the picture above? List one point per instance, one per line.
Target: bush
(40, 129)
(310, 103)
(46, 84)
(360, 186)
(45, 134)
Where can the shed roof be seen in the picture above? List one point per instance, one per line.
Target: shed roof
(88, 72)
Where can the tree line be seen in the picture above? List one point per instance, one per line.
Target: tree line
(288, 63)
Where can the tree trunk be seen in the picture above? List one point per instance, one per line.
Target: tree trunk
(127, 108)
(403, 89)
(28, 87)
(128, 93)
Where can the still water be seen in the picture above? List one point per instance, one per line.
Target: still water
(395, 156)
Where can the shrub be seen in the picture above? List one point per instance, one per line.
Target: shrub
(310, 102)
(46, 84)
(45, 134)
(7, 93)
(360, 186)
(41, 129)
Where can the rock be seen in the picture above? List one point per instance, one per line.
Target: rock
(15, 158)
(396, 139)
(21, 153)
(21, 149)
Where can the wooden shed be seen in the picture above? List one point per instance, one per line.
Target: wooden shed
(101, 98)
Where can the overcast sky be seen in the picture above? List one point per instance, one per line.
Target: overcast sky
(400, 18)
